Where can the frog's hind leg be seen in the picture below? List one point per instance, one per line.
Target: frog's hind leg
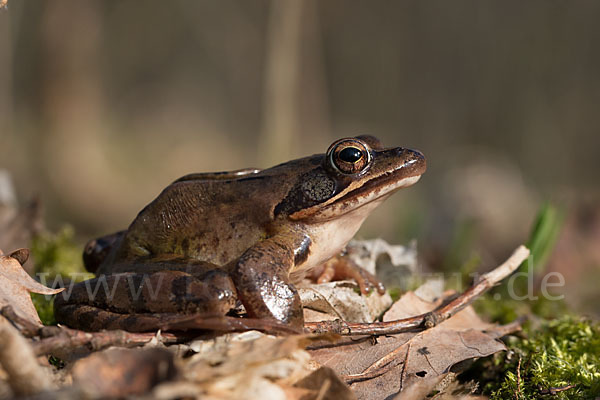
(144, 302)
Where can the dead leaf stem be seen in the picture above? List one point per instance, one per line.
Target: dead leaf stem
(403, 374)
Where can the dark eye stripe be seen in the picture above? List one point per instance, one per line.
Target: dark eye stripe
(350, 154)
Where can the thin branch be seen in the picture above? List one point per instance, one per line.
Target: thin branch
(430, 319)
(26, 327)
(66, 340)
(61, 339)
(228, 324)
(553, 391)
(510, 328)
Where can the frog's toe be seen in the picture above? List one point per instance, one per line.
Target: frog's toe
(340, 268)
(325, 273)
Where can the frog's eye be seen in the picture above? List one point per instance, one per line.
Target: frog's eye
(349, 156)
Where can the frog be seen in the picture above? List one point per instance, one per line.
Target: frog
(213, 243)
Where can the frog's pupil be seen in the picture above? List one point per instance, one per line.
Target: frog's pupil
(350, 154)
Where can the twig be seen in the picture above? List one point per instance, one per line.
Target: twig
(554, 390)
(60, 338)
(26, 376)
(228, 324)
(26, 327)
(503, 330)
(518, 390)
(67, 339)
(430, 319)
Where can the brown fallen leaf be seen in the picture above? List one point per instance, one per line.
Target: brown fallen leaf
(326, 385)
(123, 372)
(244, 366)
(16, 285)
(234, 353)
(342, 300)
(408, 358)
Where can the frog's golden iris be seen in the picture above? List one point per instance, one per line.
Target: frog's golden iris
(350, 156)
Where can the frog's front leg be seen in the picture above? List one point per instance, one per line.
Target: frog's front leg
(261, 277)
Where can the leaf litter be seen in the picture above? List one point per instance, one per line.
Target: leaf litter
(254, 365)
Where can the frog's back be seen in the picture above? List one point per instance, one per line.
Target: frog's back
(212, 221)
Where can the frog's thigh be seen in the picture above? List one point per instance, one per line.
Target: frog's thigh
(261, 278)
(121, 301)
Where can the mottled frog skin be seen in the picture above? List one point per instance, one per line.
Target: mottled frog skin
(210, 241)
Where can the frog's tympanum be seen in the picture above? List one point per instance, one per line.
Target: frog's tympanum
(211, 241)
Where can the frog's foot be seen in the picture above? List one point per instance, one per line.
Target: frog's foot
(97, 250)
(340, 268)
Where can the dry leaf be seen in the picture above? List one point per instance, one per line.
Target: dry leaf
(120, 372)
(326, 385)
(407, 359)
(341, 300)
(245, 365)
(240, 352)
(366, 252)
(17, 284)
(419, 391)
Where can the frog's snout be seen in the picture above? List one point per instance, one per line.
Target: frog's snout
(409, 153)
(414, 158)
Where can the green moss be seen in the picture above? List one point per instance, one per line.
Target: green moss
(395, 293)
(560, 353)
(44, 307)
(558, 350)
(57, 253)
(58, 259)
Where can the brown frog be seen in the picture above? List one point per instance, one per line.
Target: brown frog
(210, 241)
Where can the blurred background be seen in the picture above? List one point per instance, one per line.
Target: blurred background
(104, 103)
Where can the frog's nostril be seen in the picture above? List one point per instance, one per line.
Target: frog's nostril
(417, 154)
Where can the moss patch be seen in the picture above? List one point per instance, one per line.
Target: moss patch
(560, 353)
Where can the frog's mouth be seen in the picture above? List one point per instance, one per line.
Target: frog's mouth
(377, 187)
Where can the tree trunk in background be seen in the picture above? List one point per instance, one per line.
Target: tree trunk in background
(294, 98)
